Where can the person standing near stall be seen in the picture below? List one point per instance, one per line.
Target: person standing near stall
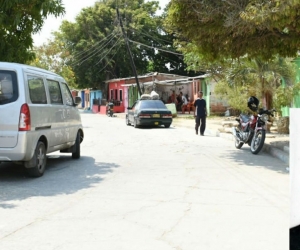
(200, 113)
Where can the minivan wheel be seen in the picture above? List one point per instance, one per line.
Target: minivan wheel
(76, 149)
(37, 165)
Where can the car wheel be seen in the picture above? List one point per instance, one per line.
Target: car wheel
(135, 123)
(76, 149)
(37, 165)
(167, 125)
(127, 121)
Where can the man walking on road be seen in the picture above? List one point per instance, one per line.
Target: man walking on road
(200, 113)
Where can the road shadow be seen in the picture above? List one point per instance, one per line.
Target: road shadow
(262, 159)
(63, 175)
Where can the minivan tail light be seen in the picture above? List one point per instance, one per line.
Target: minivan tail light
(24, 121)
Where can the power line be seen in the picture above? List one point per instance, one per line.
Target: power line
(152, 47)
(95, 52)
(117, 42)
(148, 35)
(94, 45)
(129, 51)
(110, 58)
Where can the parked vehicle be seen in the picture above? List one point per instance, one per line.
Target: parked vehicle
(148, 112)
(38, 116)
(252, 129)
(110, 109)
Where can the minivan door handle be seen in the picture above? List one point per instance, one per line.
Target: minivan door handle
(43, 127)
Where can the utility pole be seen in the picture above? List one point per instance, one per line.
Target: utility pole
(130, 55)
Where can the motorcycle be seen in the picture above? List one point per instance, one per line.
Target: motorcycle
(252, 130)
(110, 109)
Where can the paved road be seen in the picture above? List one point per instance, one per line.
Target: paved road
(147, 189)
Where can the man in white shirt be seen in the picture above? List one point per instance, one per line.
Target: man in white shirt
(184, 100)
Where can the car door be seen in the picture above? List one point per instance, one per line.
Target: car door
(132, 111)
(71, 114)
(40, 110)
(57, 111)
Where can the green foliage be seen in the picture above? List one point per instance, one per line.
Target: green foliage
(235, 95)
(97, 48)
(284, 96)
(19, 20)
(51, 56)
(255, 77)
(234, 28)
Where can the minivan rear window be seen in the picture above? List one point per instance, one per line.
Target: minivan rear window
(9, 91)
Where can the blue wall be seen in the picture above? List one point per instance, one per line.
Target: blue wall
(95, 94)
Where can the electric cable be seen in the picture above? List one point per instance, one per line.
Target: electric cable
(117, 42)
(152, 47)
(110, 58)
(95, 52)
(94, 45)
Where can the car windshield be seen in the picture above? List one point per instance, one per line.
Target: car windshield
(152, 104)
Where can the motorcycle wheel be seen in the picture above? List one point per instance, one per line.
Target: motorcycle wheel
(238, 144)
(258, 141)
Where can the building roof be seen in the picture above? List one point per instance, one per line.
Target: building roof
(165, 79)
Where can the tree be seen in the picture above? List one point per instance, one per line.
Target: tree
(19, 20)
(165, 58)
(52, 56)
(235, 28)
(97, 46)
(95, 42)
(255, 77)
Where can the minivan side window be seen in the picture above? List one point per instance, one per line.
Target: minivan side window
(9, 91)
(54, 91)
(37, 91)
(67, 94)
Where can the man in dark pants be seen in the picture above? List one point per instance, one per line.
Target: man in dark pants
(200, 113)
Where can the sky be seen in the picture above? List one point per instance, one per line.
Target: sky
(72, 10)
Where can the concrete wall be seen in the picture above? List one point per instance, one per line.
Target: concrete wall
(295, 166)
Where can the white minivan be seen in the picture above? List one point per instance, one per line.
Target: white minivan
(38, 115)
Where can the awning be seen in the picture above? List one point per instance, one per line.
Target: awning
(163, 83)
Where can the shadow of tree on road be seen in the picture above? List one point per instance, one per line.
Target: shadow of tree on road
(263, 160)
(62, 176)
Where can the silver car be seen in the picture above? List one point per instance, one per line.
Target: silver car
(38, 115)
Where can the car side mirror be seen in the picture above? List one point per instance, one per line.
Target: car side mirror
(77, 100)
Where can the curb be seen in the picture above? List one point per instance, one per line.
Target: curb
(282, 155)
